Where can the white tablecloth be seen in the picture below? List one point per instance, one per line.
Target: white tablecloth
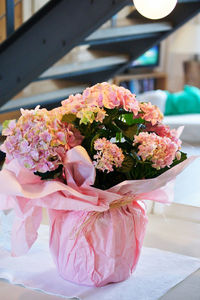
(156, 273)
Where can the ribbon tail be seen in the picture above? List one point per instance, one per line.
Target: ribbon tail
(6, 202)
(140, 221)
(164, 194)
(24, 232)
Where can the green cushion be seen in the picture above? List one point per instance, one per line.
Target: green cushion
(184, 102)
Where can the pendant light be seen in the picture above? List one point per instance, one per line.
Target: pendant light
(154, 9)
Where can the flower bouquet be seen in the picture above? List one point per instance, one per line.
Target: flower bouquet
(91, 162)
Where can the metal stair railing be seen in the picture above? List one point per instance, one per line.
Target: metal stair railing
(46, 37)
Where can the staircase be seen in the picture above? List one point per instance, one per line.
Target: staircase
(29, 54)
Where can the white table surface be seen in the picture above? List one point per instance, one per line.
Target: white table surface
(167, 234)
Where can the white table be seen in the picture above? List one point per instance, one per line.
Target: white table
(181, 237)
(167, 234)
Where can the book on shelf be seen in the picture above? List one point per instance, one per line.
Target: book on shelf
(138, 86)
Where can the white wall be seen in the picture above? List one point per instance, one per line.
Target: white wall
(172, 63)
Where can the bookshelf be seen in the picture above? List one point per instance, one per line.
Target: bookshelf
(143, 82)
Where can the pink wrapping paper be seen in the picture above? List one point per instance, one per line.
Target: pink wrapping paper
(106, 252)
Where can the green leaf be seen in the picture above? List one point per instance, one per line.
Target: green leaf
(5, 124)
(68, 118)
(112, 114)
(130, 120)
(51, 174)
(113, 129)
(121, 124)
(106, 180)
(119, 136)
(127, 164)
(126, 146)
(129, 130)
(145, 169)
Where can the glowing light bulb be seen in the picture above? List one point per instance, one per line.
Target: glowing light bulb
(154, 9)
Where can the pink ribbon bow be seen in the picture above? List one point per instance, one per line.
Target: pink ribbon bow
(27, 194)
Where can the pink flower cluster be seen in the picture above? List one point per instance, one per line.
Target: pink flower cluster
(165, 131)
(161, 151)
(39, 140)
(108, 155)
(112, 96)
(84, 109)
(150, 113)
(90, 105)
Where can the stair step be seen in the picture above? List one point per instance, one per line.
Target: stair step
(122, 33)
(41, 99)
(80, 68)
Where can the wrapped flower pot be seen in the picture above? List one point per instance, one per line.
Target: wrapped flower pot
(92, 162)
(97, 249)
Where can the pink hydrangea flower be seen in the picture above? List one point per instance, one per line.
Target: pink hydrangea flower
(112, 96)
(73, 104)
(108, 155)
(150, 113)
(86, 109)
(161, 151)
(164, 130)
(127, 100)
(102, 95)
(8, 127)
(90, 106)
(39, 140)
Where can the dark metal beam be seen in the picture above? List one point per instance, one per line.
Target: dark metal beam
(128, 45)
(183, 12)
(187, 1)
(52, 32)
(43, 99)
(95, 77)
